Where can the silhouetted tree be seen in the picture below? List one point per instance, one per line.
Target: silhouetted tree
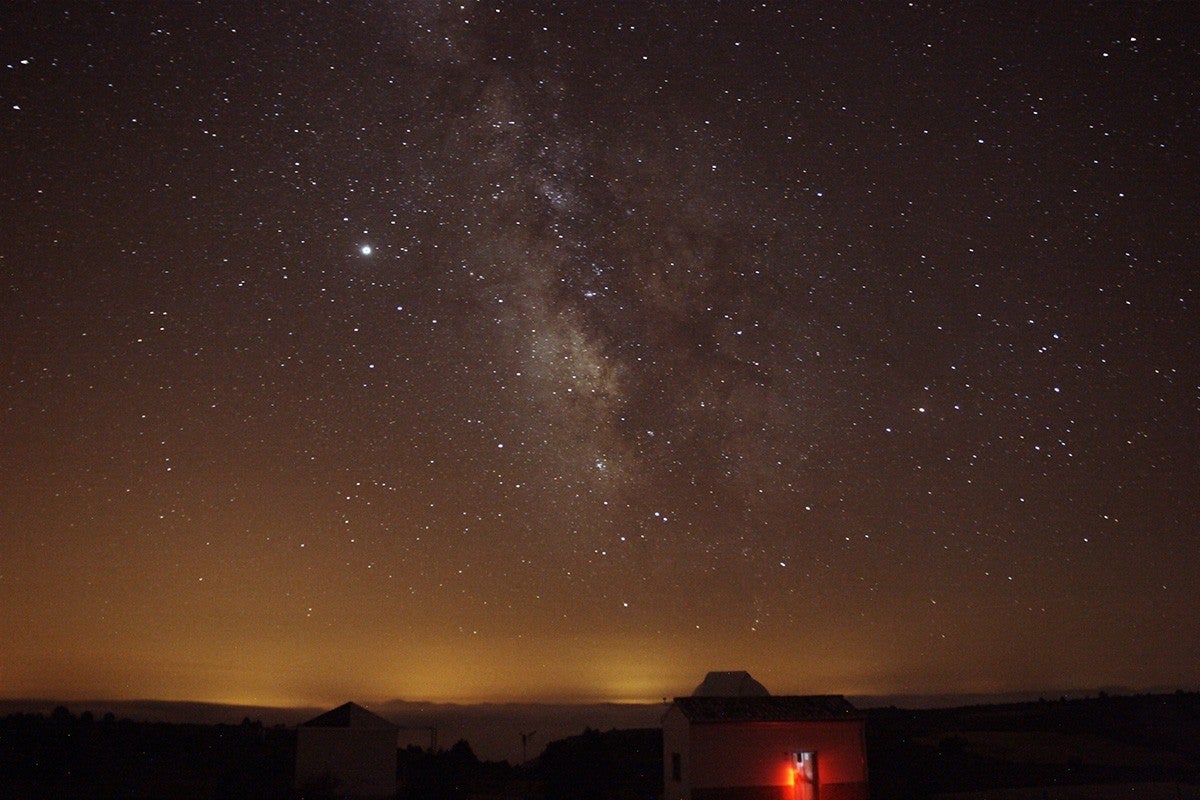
(594, 765)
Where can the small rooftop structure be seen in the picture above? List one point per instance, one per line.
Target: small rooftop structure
(730, 684)
(349, 751)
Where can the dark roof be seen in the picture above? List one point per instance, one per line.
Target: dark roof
(349, 715)
(730, 684)
(767, 709)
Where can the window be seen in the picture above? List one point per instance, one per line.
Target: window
(676, 767)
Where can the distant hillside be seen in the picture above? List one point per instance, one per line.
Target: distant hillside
(1102, 741)
(179, 711)
(493, 729)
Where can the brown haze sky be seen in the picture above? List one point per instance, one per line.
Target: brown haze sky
(537, 351)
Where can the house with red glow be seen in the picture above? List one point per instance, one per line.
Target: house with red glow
(731, 740)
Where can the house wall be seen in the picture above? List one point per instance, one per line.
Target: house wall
(676, 739)
(363, 761)
(752, 760)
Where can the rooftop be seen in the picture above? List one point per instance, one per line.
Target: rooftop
(767, 709)
(349, 715)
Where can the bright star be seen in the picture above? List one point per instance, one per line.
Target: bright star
(365, 249)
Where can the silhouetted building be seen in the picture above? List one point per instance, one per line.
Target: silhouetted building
(747, 745)
(348, 751)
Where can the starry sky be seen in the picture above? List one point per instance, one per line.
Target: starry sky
(564, 351)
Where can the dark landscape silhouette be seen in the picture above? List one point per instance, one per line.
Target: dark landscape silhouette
(1144, 745)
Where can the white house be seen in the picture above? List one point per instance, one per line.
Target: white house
(748, 745)
(349, 750)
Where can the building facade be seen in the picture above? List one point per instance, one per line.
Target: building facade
(759, 747)
(349, 751)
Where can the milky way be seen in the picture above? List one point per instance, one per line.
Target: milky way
(542, 351)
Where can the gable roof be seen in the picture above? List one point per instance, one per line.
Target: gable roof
(767, 709)
(736, 683)
(349, 715)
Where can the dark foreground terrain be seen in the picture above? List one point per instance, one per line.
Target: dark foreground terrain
(1136, 746)
(80, 757)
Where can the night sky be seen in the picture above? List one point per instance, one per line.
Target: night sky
(566, 350)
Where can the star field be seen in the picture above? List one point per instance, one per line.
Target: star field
(546, 351)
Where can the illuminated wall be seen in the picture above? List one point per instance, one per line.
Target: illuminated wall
(754, 759)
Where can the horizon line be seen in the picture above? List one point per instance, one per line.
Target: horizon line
(869, 699)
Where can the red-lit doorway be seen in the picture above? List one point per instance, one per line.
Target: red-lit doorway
(804, 766)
